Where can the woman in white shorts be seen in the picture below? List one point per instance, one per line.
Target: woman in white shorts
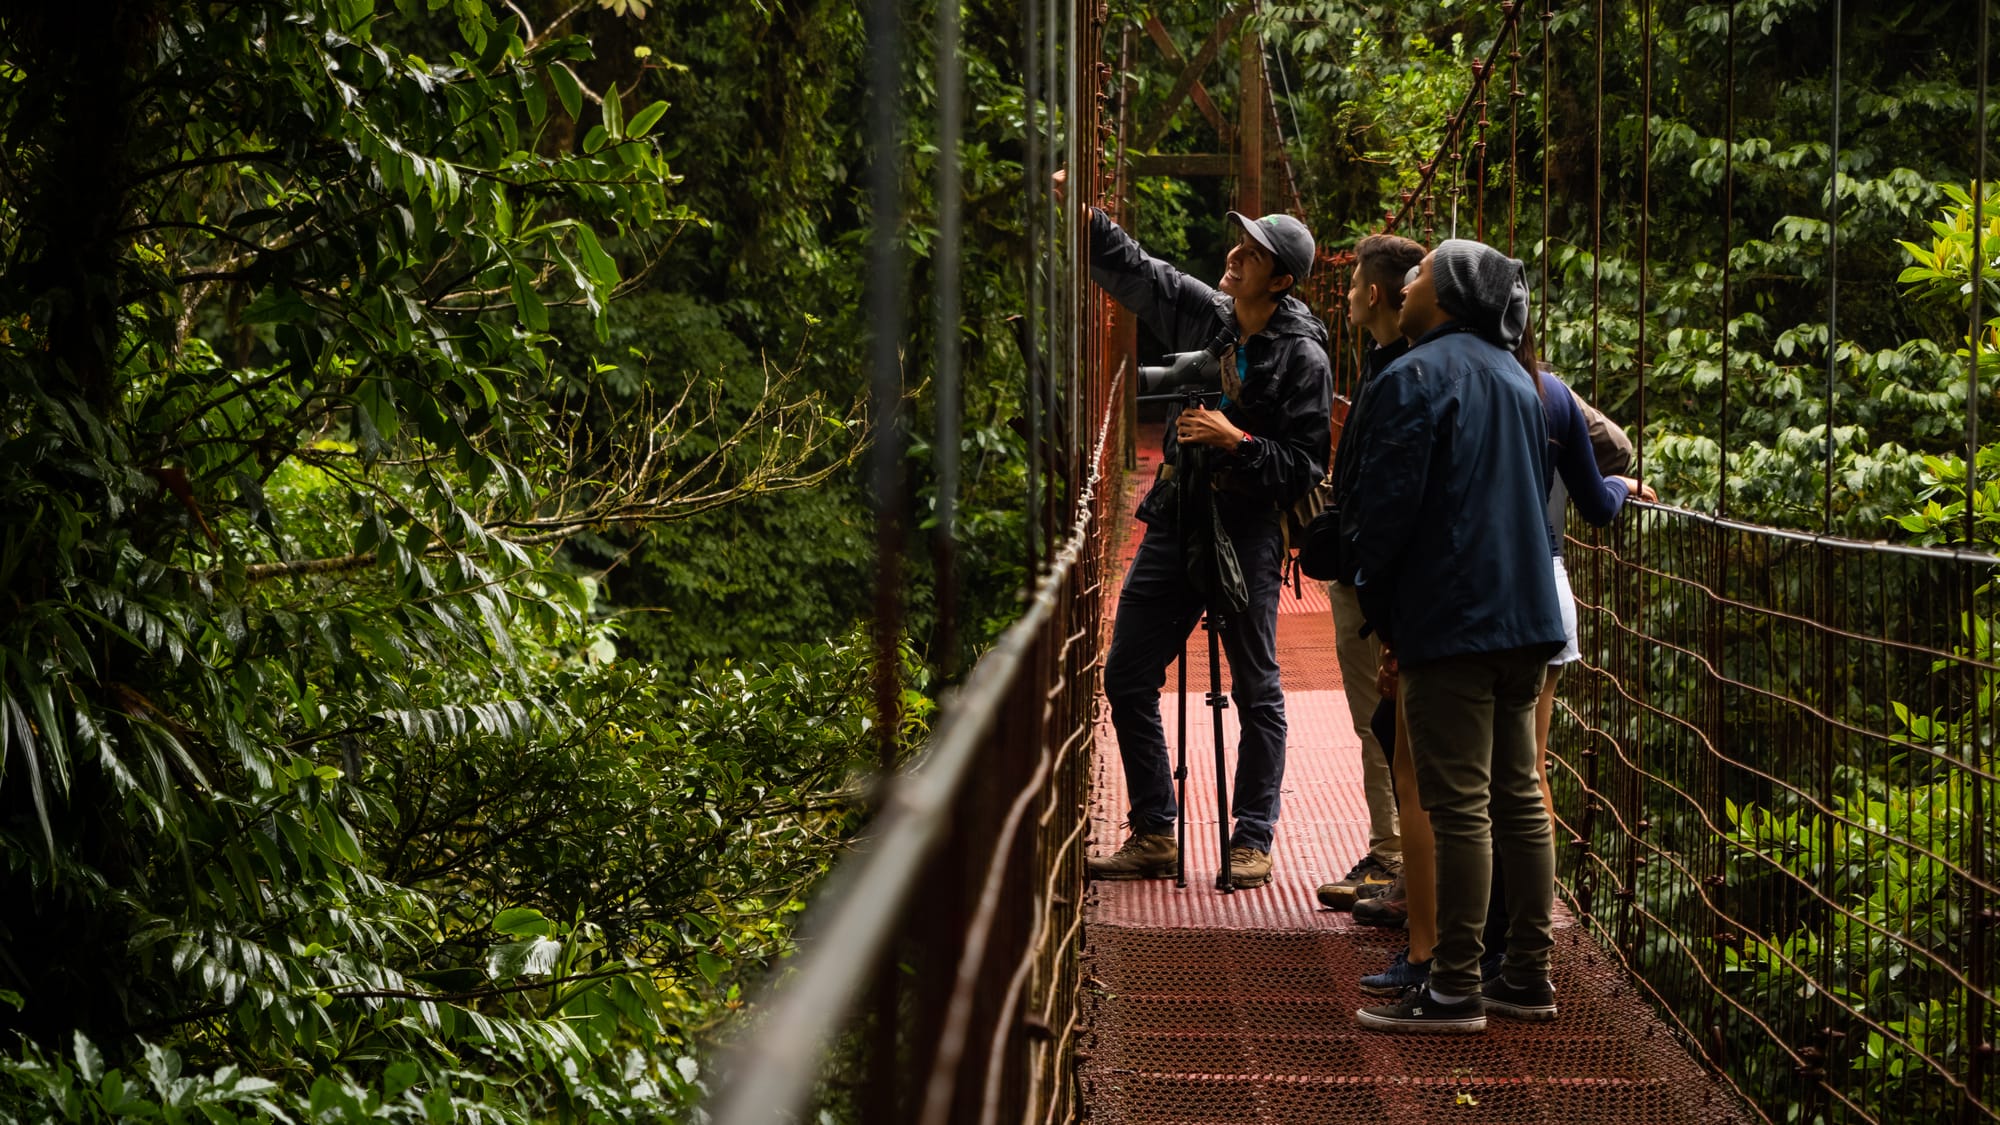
(1579, 451)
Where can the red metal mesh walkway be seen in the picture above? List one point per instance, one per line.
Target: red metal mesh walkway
(1203, 1007)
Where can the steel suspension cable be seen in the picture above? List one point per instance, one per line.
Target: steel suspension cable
(1728, 250)
(1597, 229)
(1033, 176)
(1981, 127)
(1514, 96)
(949, 424)
(885, 292)
(1645, 218)
(1478, 157)
(1053, 283)
(1548, 61)
(1978, 1014)
(1058, 293)
(1833, 268)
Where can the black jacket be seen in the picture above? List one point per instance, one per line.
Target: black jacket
(1346, 456)
(1446, 523)
(1287, 399)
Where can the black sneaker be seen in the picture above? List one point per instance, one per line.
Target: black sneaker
(1418, 1012)
(1398, 977)
(1489, 966)
(1502, 997)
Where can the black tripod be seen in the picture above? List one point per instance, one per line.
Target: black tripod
(1187, 463)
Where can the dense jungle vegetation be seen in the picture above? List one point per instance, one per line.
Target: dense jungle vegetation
(435, 546)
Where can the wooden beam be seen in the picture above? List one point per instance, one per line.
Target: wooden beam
(1184, 164)
(1250, 128)
(1199, 92)
(1192, 74)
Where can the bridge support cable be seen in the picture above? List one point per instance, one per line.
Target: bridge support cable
(1983, 905)
(948, 429)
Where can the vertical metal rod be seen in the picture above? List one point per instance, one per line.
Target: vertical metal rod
(1645, 222)
(1479, 163)
(1548, 62)
(1728, 246)
(1972, 388)
(1514, 96)
(1981, 907)
(1052, 350)
(949, 406)
(1597, 231)
(1035, 178)
(1832, 268)
(885, 300)
(1125, 327)
(1079, 130)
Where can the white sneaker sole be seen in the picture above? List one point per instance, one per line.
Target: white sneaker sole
(1535, 1013)
(1461, 1025)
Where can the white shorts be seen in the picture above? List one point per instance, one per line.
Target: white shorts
(1570, 650)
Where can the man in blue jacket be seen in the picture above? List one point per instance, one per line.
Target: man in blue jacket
(1268, 444)
(1452, 568)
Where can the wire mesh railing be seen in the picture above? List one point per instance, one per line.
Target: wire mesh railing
(937, 975)
(1775, 774)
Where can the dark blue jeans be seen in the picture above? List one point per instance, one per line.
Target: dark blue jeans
(1157, 611)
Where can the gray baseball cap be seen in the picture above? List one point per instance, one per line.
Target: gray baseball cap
(1288, 240)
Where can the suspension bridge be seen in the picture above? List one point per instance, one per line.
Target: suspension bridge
(1722, 936)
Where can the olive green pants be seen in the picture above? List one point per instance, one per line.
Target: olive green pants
(1360, 658)
(1472, 741)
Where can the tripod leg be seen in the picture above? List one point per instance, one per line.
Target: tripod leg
(1216, 702)
(1180, 776)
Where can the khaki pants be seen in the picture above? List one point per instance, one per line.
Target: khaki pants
(1360, 657)
(1472, 741)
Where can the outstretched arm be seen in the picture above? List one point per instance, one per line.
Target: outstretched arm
(1178, 308)
(1597, 498)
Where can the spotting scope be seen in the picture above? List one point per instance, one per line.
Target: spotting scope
(1187, 374)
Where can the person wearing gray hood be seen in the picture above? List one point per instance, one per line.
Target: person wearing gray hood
(1269, 443)
(1452, 568)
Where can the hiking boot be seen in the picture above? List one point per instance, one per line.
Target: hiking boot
(1371, 876)
(1419, 1012)
(1144, 855)
(1398, 977)
(1390, 909)
(1503, 997)
(1248, 867)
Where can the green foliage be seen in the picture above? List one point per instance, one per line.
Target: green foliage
(1375, 83)
(324, 793)
(768, 139)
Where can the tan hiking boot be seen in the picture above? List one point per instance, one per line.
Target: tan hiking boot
(1249, 867)
(1144, 855)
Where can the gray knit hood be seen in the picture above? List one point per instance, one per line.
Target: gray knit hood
(1483, 288)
